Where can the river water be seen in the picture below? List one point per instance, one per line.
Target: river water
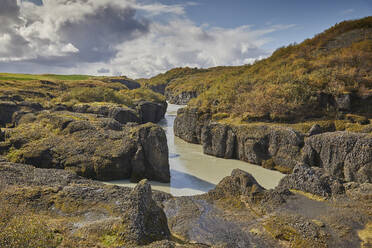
(193, 172)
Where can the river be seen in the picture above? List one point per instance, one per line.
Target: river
(193, 172)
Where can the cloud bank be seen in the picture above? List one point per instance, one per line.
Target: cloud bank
(117, 37)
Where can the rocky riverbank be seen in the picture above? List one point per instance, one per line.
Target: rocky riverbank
(104, 133)
(60, 209)
(346, 155)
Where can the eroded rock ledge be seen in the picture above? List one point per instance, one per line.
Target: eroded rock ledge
(343, 154)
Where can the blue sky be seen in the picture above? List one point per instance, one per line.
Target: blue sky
(310, 17)
(141, 38)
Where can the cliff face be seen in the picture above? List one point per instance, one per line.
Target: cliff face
(343, 154)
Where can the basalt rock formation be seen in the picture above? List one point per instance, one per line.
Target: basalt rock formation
(92, 146)
(342, 154)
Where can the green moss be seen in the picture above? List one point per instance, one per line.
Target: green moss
(366, 236)
(23, 229)
(111, 240)
(14, 155)
(280, 229)
(268, 164)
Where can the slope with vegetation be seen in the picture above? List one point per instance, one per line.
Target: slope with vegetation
(292, 83)
(264, 113)
(94, 126)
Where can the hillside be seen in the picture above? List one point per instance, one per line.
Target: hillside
(50, 90)
(292, 84)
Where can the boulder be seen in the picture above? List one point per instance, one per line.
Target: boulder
(151, 111)
(146, 220)
(240, 183)
(344, 155)
(152, 154)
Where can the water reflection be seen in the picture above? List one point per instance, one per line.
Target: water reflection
(193, 172)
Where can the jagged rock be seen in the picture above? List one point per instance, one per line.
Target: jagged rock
(151, 111)
(240, 183)
(2, 135)
(98, 148)
(313, 180)
(146, 220)
(342, 154)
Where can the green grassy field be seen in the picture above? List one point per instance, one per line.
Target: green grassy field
(27, 77)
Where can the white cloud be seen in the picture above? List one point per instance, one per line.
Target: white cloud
(87, 36)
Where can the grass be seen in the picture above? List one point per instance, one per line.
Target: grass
(28, 77)
(50, 90)
(308, 195)
(286, 84)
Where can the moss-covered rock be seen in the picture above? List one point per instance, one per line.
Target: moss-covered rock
(93, 147)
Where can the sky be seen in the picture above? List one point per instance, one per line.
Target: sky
(141, 38)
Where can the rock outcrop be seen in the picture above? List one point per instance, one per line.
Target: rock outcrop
(180, 98)
(81, 212)
(99, 148)
(342, 154)
(250, 143)
(189, 123)
(240, 213)
(146, 220)
(240, 183)
(151, 112)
